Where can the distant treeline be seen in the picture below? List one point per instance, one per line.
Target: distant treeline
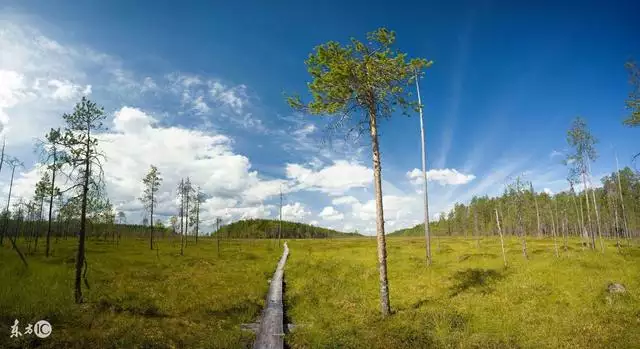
(540, 212)
(28, 229)
(268, 229)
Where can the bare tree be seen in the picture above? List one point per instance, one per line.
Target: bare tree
(423, 145)
(181, 192)
(535, 200)
(13, 163)
(504, 256)
(188, 189)
(553, 230)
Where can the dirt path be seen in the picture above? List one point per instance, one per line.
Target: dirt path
(271, 331)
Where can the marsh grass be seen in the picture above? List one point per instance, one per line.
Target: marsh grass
(466, 299)
(139, 298)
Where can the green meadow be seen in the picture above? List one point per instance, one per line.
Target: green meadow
(466, 299)
(140, 298)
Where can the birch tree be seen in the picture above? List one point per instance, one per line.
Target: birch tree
(188, 188)
(516, 191)
(151, 183)
(368, 79)
(84, 161)
(582, 143)
(181, 192)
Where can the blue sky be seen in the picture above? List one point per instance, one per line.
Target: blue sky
(507, 80)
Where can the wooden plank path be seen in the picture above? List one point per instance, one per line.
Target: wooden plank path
(271, 331)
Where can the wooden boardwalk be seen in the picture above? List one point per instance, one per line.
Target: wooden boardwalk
(271, 331)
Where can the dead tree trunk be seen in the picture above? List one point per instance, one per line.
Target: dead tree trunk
(553, 230)
(592, 238)
(504, 256)
(535, 200)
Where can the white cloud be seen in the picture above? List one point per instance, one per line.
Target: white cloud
(12, 87)
(200, 106)
(206, 158)
(331, 214)
(444, 176)
(395, 208)
(66, 90)
(129, 119)
(305, 131)
(548, 191)
(344, 200)
(334, 179)
(200, 92)
(295, 212)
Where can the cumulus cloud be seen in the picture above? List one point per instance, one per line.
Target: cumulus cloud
(333, 180)
(295, 212)
(331, 214)
(67, 90)
(444, 176)
(207, 158)
(344, 200)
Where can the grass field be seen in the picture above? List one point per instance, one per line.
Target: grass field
(139, 298)
(466, 299)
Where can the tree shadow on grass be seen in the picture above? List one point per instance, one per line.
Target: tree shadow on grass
(475, 280)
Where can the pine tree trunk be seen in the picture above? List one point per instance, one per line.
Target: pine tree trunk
(385, 306)
(83, 225)
(37, 223)
(53, 185)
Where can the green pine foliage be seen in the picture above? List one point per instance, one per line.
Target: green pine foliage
(268, 229)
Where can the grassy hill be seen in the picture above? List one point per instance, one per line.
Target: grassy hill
(268, 229)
